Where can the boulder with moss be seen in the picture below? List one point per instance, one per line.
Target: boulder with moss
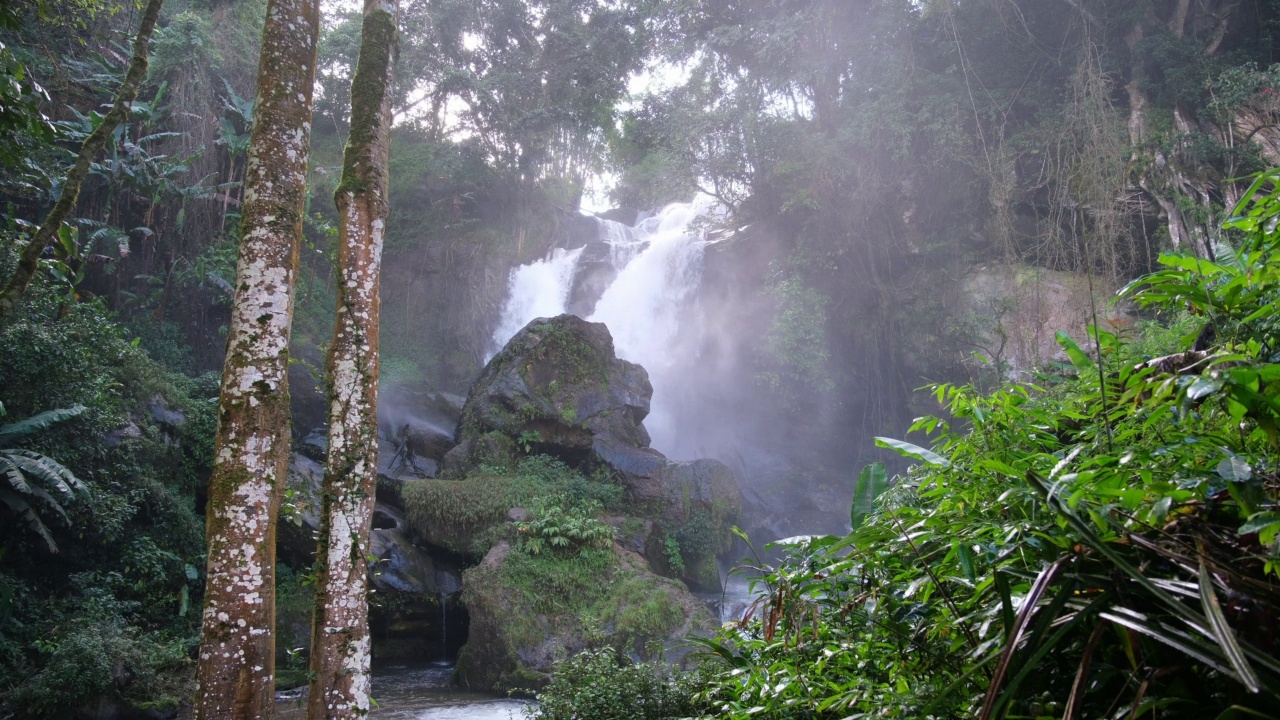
(559, 387)
(529, 612)
(468, 516)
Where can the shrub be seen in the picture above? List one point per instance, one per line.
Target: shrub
(602, 685)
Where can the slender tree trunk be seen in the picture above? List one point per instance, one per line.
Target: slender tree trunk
(236, 673)
(29, 261)
(340, 632)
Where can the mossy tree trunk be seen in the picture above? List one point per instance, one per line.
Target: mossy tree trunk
(29, 260)
(236, 672)
(340, 633)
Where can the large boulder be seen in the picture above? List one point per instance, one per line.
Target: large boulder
(558, 387)
(518, 635)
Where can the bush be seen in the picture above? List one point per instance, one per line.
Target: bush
(601, 685)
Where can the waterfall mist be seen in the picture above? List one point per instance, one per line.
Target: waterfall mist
(690, 310)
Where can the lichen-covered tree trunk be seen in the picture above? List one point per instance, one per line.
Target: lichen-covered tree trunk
(236, 672)
(29, 260)
(340, 633)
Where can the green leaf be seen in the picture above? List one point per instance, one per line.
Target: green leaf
(872, 481)
(1223, 633)
(1191, 264)
(1078, 356)
(966, 562)
(1204, 386)
(12, 431)
(1260, 522)
(1234, 469)
(907, 449)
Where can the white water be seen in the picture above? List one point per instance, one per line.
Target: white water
(539, 289)
(659, 264)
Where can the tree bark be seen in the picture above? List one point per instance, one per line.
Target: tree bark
(340, 632)
(29, 260)
(236, 672)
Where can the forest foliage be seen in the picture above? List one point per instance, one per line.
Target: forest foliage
(888, 146)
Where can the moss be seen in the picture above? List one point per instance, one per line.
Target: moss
(591, 599)
(469, 515)
(368, 89)
(575, 361)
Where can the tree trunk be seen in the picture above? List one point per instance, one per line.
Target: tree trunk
(236, 673)
(340, 631)
(29, 261)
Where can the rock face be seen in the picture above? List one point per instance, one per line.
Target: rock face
(557, 384)
(1022, 308)
(418, 585)
(592, 276)
(515, 640)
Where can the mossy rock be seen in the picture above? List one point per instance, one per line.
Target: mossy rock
(470, 514)
(492, 449)
(529, 613)
(463, 516)
(558, 387)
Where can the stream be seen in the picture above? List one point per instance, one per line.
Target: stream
(420, 692)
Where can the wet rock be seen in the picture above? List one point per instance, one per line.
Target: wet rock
(492, 449)
(559, 387)
(397, 463)
(130, 431)
(165, 415)
(300, 513)
(515, 642)
(308, 401)
(594, 273)
(315, 445)
(638, 535)
(517, 515)
(426, 441)
(400, 565)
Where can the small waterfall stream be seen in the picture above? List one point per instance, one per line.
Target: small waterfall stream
(647, 277)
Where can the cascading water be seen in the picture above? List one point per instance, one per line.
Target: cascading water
(539, 289)
(656, 268)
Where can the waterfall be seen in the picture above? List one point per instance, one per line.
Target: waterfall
(650, 275)
(539, 289)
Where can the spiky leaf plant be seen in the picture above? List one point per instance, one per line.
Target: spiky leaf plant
(33, 480)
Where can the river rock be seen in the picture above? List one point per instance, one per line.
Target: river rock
(400, 565)
(514, 641)
(558, 387)
(593, 274)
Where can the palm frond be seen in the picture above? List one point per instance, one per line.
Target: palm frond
(47, 470)
(22, 428)
(28, 515)
(17, 480)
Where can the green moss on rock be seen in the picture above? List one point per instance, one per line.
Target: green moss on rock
(530, 612)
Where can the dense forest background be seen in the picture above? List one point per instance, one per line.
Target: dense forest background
(876, 157)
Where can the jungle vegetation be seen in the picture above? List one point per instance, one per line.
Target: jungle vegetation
(889, 146)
